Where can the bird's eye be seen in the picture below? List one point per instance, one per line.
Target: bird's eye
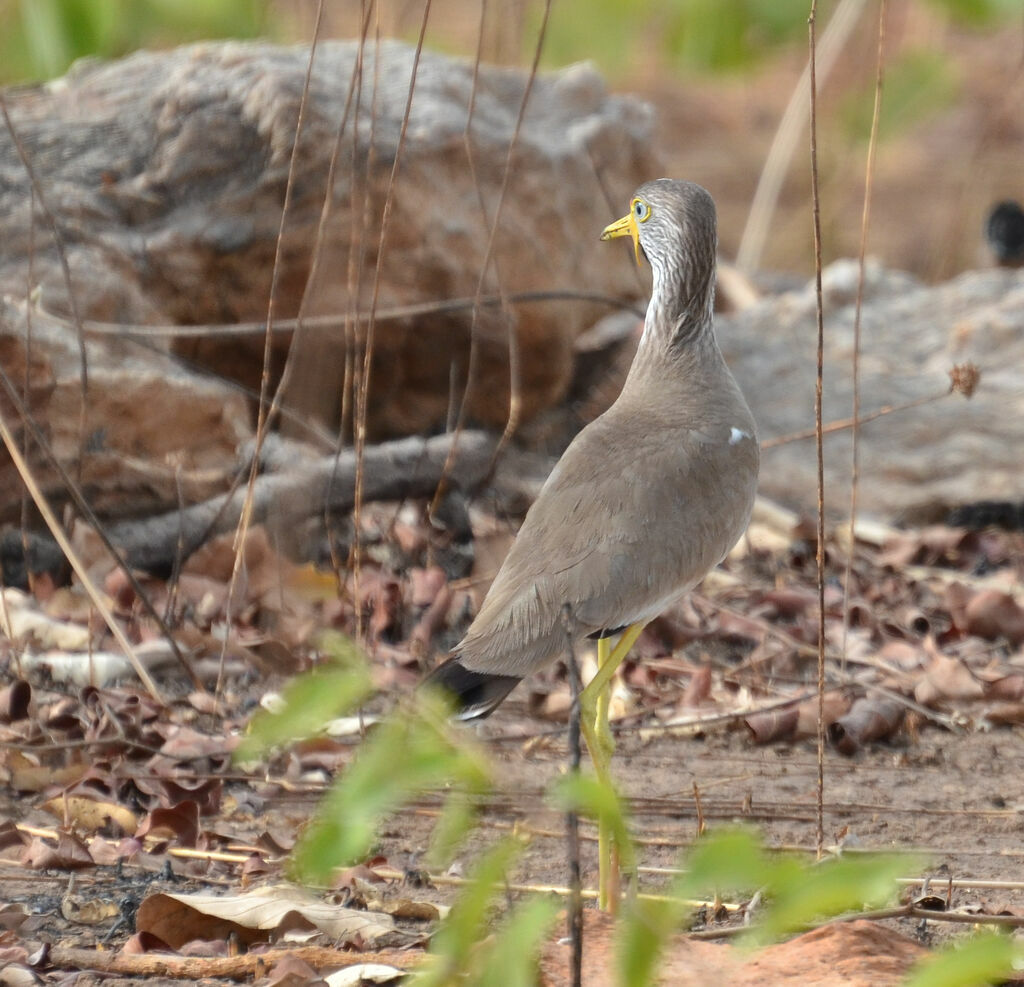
(641, 211)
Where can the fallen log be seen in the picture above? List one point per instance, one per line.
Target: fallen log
(412, 467)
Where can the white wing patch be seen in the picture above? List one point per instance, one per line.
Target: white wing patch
(737, 435)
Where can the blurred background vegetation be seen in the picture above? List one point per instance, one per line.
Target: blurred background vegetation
(719, 73)
(43, 37)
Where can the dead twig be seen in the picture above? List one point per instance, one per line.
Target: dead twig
(818, 428)
(575, 916)
(241, 968)
(858, 308)
(93, 591)
(263, 409)
(405, 467)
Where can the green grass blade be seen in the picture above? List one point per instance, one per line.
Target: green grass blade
(310, 701)
(985, 959)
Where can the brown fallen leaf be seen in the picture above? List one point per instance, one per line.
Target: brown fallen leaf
(836, 705)
(13, 916)
(775, 724)
(946, 677)
(698, 689)
(206, 793)
(1008, 714)
(91, 814)
(431, 622)
(14, 701)
(790, 601)
(1009, 687)
(255, 916)
(993, 614)
(929, 546)
(28, 775)
(406, 908)
(179, 822)
(425, 584)
(868, 719)
(70, 853)
(144, 942)
(291, 971)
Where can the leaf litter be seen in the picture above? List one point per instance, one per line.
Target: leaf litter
(102, 781)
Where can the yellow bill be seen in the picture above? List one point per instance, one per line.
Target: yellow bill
(624, 227)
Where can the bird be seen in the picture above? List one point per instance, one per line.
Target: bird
(646, 499)
(1004, 233)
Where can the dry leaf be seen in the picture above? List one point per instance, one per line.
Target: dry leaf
(90, 814)
(775, 724)
(179, 822)
(88, 911)
(14, 701)
(993, 614)
(698, 689)
(946, 678)
(69, 854)
(836, 705)
(255, 917)
(869, 719)
(366, 973)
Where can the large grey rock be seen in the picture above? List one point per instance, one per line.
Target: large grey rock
(915, 464)
(166, 174)
(147, 436)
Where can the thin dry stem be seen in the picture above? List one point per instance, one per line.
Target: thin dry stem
(85, 511)
(514, 383)
(93, 591)
(125, 330)
(819, 430)
(262, 419)
(362, 409)
(784, 144)
(844, 423)
(58, 242)
(858, 309)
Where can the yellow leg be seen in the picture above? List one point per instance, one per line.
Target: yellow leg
(594, 703)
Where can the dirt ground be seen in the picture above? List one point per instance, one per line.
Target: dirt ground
(957, 801)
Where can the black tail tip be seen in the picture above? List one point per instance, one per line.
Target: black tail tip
(475, 694)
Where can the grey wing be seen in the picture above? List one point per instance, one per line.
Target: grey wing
(610, 546)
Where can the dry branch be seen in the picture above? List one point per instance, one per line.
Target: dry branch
(243, 968)
(410, 467)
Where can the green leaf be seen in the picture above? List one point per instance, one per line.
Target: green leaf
(412, 750)
(985, 959)
(598, 800)
(722, 863)
(512, 960)
(466, 924)
(643, 930)
(310, 701)
(458, 817)
(725, 862)
(801, 896)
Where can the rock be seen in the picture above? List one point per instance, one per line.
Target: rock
(166, 174)
(915, 464)
(153, 434)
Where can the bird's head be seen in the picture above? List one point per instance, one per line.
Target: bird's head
(665, 219)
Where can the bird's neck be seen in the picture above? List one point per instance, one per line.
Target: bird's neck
(681, 308)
